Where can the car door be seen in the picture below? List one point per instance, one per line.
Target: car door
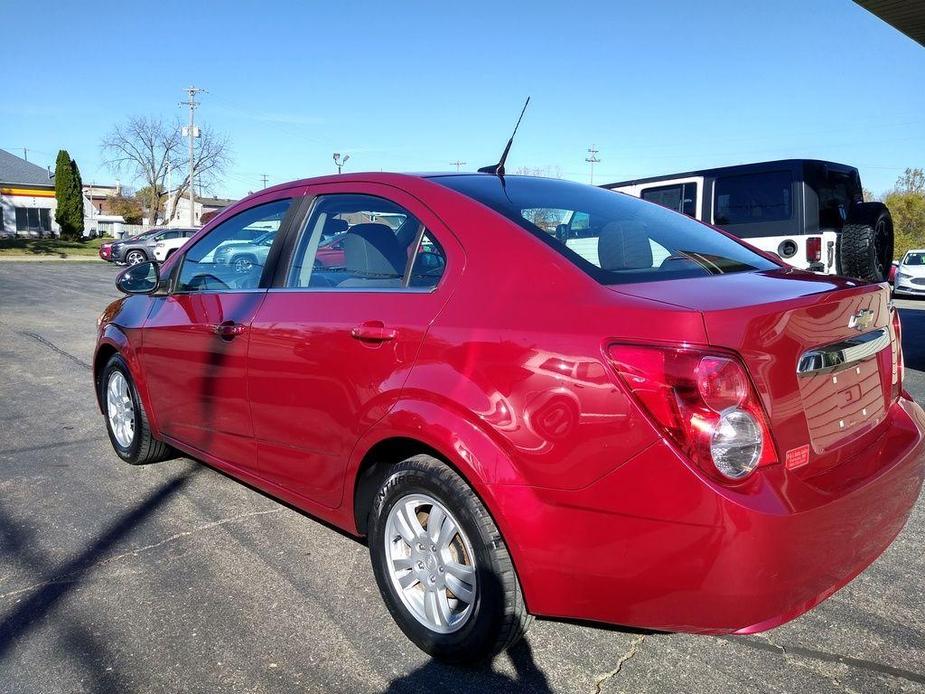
(332, 345)
(194, 346)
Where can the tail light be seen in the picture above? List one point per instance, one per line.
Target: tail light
(898, 363)
(814, 249)
(704, 402)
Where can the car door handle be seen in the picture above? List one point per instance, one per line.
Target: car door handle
(228, 330)
(373, 333)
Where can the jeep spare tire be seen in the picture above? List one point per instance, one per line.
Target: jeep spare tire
(865, 248)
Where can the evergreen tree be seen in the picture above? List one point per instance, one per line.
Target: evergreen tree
(69, 196)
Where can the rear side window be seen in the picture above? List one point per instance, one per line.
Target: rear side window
(616, 238)
(753, 198)
(363, 242)
(680, 197)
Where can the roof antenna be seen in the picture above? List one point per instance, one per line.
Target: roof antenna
(498, 169)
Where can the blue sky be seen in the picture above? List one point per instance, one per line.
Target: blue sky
(657, 86)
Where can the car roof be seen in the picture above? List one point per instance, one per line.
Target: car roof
(398, 180)
(366, 177)
(738, 168)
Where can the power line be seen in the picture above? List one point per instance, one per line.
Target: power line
(192, 132)
(592, 160)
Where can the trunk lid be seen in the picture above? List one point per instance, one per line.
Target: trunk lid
(774, 319)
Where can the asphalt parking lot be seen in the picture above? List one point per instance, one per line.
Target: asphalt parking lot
(174, 577)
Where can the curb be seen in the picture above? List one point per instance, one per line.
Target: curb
(50, 259)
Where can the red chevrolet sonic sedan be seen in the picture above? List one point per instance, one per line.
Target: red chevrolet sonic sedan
(533, 397)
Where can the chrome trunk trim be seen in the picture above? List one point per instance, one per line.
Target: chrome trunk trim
(840, 354)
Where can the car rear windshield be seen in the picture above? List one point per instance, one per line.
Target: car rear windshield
(614, 237)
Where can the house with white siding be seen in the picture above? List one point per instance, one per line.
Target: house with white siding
(27, 198)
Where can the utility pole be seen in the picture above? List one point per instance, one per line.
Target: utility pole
(25, 153)
(264, 178)
(457, 164)
(192, 132)
(592, 160)
(92, 211)
(170, 199)
(338, 162)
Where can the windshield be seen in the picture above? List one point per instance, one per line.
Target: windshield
(613, 237)
(914, 259)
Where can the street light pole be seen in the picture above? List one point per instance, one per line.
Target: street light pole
(338, 162)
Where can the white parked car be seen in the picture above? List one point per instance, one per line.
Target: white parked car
(164, 249)
(910, 273)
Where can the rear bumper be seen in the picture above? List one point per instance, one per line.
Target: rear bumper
(654, 545)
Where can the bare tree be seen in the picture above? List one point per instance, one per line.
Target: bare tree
(147, 148)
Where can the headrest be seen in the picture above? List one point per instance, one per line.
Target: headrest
(333, 225)
(372, 250)
(624, 245)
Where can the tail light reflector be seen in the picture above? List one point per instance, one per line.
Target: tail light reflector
(814, 249)
(703, 402)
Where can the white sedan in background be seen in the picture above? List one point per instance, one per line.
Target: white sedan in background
(910, 273)
(164, 249)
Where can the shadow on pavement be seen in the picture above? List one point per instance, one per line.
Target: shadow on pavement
(437, 676)
(55, 582)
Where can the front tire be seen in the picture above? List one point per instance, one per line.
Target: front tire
(452, 587)
(126, 419)
(243, 264)
(135, 258)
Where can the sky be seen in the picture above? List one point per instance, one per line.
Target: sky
(657, 86)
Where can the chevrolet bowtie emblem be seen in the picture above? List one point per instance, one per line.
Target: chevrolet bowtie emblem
(861, 320)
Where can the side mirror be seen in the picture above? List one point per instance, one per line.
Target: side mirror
(143, 278)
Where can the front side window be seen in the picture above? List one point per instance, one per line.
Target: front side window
(364, 242)
(230, 257)
(623, 240)
(753, 198)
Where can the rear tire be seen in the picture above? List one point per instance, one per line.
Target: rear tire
(865, 249)
(126, 419)
(496, 618)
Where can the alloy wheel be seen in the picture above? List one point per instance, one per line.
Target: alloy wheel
(242, 265)
(135, 258)
(431, 563)
(120, 409)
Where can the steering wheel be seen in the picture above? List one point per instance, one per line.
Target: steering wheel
(200, 282)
